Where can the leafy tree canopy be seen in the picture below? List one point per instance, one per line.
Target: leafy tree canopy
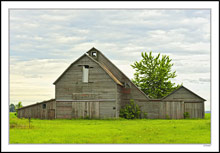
(19, 105)
(153, 75)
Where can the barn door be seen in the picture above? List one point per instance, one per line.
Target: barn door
(43, 114)
(51, 114)
(172, 110)
(85, 110)
(195, 110)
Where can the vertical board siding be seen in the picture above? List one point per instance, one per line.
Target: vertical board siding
(194, 105)
(195, 110)
(99, 82)
(37, 111)
(162, 110)
(175, 111)
(151, 108)
(79, 110)
(106, 110)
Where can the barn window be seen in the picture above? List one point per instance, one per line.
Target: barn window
(86, 66)
(94, 54)
(85, 77)
(126, 85)
(44, 106)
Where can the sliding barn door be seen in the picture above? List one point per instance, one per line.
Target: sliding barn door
(85, 109)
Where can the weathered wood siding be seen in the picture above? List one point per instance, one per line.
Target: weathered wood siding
(195, 110)
(151, 108)
(94, 110)
(162, 110)
(193, 104)
(119, 100)
(172, 110)
(77, 110)
(37, 111)
(107, 109)
(100, 87)
(100, 82)
(183, 94)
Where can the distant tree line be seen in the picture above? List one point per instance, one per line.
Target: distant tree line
(13, 107)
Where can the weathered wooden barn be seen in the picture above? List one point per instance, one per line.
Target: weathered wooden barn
(93, 87)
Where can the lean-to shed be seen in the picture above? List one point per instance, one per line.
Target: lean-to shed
(42, 110)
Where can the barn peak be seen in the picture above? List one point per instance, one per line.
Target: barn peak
(94, 53)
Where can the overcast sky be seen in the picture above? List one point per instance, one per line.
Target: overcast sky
(43, 43)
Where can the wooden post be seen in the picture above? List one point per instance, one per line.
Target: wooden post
(29, 118)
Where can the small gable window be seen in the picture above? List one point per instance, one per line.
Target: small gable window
(44, 106)
(85, 76)
(94, 54)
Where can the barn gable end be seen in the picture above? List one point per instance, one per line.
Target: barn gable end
(184, 94)
(189, 103)
(71, 81)
(95, 98)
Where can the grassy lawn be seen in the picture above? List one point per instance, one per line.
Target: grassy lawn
(110, 131)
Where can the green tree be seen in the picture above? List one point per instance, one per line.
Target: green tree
(19, 105)
(11, 108)
(153, 75)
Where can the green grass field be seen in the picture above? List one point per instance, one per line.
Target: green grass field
(118, 131)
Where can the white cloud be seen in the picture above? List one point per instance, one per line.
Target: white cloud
(44, 42)
(32, 81)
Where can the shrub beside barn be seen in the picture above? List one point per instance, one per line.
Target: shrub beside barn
(93, 87)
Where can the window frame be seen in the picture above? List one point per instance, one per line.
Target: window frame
(94, 54)
(85, 74)
(44, 106)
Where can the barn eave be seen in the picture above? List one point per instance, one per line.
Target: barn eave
(68, 68)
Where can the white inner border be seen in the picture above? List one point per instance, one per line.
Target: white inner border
(214, 6)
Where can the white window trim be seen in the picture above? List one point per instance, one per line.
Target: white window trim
(85, 76)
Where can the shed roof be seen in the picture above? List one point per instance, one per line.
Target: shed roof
(186, 89)
(45, 101)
